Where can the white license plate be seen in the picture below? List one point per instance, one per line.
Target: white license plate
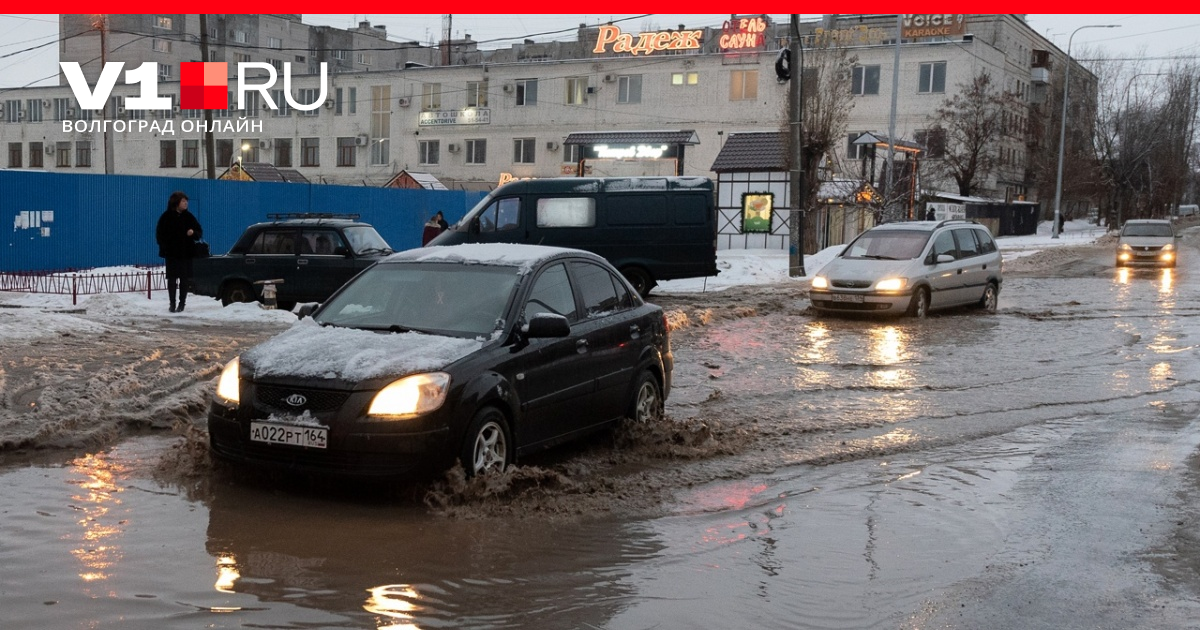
(292, 435)
(846, 297)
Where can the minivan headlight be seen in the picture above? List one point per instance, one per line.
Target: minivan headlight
(1169, 247)
(1124, 247)
(820, 282)
(891, 284)
(411, 395)
(228, 385)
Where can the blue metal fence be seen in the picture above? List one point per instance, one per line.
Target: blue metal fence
(63, 221)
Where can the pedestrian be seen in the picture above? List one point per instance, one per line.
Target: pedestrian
(433, 227)
(929, 215)
(177, 232)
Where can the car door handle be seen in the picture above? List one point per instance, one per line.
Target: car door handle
(634, 330)
(581, 346)
(302, 261)
(251, 261)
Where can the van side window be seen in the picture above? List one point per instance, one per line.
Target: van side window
(944, 244)
(986, 244)
(503, 214)
(636, 210)
(561, 212)
(597, 288)
(967, 245)
(551, 294)
(690, 209)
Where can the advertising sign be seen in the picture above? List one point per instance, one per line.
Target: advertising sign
(473, 116)
(756, 212)
(916, 25)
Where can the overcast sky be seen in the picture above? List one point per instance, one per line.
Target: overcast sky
(28, 54)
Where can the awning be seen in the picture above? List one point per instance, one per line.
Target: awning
(881, 140)
(752, 151)
(683, 136)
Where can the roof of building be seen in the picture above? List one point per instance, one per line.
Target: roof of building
(263, 172)
(881, 139)
(752, 151)
(424, 180)
(679, 136)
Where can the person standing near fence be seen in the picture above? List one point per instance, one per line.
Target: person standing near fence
(177, 232)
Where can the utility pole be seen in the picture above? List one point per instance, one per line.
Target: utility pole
(210, 149)
(796, 126)
(101, 23)
(888, 198)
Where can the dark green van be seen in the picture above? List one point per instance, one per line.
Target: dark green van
(650, 228)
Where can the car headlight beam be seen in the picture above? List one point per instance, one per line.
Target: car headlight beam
(411, 395)
(891, 284)
(820, 282)
(228, 385)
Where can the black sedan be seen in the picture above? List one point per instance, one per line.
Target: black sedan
(475, 353)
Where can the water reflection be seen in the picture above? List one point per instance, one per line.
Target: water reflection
(98, 554)
(888, 346)
(394, 602)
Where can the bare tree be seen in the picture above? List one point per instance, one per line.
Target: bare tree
(973, 123)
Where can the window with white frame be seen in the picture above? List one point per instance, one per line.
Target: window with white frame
(352, 104)
(932, 79)
(365, 59)
(274, 42)
(161, 45)
(743, 85)
(164, 71)
(12, 111)
(629, 89)
(240, 37)
(307, 96)
(62, 109)
(524, 150)
(685, 78)
(429, 152)
(277, 64)
(431, 96)
(577, 89)
(35, 110)
(477, 151)
(864, 80)
(526, 92)
(164, 22)
(572, 153)
(477, 93)
(339, 55)
(281, 104)
(241, 58)
(381, 124)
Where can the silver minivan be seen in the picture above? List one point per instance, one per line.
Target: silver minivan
(1146, 242)
(911, 268)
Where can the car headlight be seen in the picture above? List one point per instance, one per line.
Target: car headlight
(411, 395)
(1168, 247)
(1124, 247)
(891, 284)
(228, 384)
(820, 282)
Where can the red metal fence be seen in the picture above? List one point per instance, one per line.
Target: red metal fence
(76, 283)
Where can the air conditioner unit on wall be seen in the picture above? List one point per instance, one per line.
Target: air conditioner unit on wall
(264, 144)
(46, 103)
(552, 145)
(329, 103)
(609, 78)
(361, 140)
(20, 114)
(508, 88)
(49, 149)
(70, 112)
(454, 147)
(403, 101)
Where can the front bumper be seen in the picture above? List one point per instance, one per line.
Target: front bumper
(859, 301)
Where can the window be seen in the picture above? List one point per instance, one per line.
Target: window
(35, 155)
(477, 95)
(523, 150)
(191, 154)
(943, 245)
(629, 89)
(307, 97)
(685, 78)
(240, 37)
(277, 64)
(162, 21)
(967, 245)
(865, 80)
(12, 111)
(251, 103)
(35, 110)
(213, 56)
(83, 153)
(855, 151)
(431, 96)
(429, 151)
(321, 242)
(502, 214)
(552, 293)
(577, 88)
(365, 59)
(476, 151)
(283, 108)
(164, 71)
(166, 154)
(572, 154)
(283, 152)
(353, 104)
(934, 141)
(526, 92)
(743, 85)
(62, 153)
(598, 290)
(241, 58)
(310, 151)
(161, 45)
(249, 149)
(337, 102)
(557, 212)
(345, 151)
(933, 78)
(274, 242)
(274, 42)
(14, 154)
(381, 124)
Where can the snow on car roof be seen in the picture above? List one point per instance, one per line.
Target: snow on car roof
(504, 254)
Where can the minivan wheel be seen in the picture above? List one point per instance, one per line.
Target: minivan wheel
(488, 445)
(919, 307)
(647, 403)
(640, 279)
(990, 297)
(237, 292)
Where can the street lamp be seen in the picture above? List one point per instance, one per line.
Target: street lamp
(242, 150)
(1062, 134)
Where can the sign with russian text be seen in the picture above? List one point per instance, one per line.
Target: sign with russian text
(743, 34)
(473, 116)
(646, 42)
(915, 25)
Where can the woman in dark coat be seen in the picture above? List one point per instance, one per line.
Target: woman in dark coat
(176, 234)
(433, 227)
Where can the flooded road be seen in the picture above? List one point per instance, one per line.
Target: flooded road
(1036, 468)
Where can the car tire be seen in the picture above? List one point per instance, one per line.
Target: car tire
(641, 280)
(488, 446)
(647, 402)
(919, 306)
(237, 291)
(991, 295)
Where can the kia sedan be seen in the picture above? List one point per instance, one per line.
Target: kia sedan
(473, 353)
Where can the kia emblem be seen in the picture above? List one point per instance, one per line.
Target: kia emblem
(295, 400)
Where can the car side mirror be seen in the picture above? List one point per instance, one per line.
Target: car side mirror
(307, 310)
(342, 251)
(473, 228)
(547, 325)
(944, 258)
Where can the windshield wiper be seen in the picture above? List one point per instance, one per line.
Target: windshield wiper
(377, 250)
(878, 257)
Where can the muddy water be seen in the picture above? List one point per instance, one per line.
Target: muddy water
(964, 471)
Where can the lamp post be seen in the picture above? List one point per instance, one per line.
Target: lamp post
(1062, 134)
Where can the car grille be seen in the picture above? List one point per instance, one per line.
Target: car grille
(275, 397)
(1147, 248)
(851, 284)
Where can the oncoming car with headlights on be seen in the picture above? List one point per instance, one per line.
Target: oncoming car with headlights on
(475, 353)
(911, 268)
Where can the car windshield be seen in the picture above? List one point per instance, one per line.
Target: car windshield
(364, 240)
(464, 222)
(1147, 229)
(443, 298)
(887, 245)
